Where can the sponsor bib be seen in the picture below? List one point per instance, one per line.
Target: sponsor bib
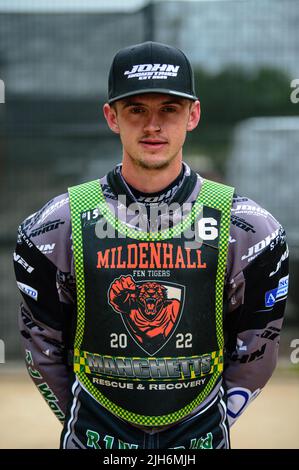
(149, 340)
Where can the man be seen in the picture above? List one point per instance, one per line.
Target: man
(152, 298)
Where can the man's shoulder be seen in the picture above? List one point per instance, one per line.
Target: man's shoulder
(246, 206)
(252, 217)
(49, 230)
(54, 213)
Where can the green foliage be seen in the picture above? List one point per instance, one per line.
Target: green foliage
(235, 94)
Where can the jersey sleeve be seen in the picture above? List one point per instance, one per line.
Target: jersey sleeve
(43, 269)
(258, 280)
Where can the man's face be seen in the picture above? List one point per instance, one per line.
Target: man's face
(152, 127)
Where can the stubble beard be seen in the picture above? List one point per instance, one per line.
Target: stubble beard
(147, 164)
(152, 165)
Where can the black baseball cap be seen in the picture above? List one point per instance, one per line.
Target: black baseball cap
(150, 67)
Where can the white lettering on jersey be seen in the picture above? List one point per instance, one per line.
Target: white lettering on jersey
(23, 263)
(254, 250)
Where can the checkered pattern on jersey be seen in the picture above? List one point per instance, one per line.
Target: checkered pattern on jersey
(82, 198)
(219, 196)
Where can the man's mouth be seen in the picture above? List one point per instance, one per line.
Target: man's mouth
(153, 143)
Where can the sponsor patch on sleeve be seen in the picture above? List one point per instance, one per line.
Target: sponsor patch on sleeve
(279, 293)
(28, 290)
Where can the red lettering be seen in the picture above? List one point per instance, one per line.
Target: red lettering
(189, 264)
(103, 259)
(143, 249)
(119, 263)
(113, 251)
(148, 255)
(179, 262)
(199, 263)
(167, 256)
(132, 250)
(155, 251)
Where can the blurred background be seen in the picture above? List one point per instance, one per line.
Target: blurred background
(54, 62)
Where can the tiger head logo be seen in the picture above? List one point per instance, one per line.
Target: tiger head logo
(150, 310)
(151, 297)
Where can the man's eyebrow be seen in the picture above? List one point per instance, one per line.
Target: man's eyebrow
(167, 102)
(174, 101)
(132, 103)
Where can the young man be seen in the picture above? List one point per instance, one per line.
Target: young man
(152, 298)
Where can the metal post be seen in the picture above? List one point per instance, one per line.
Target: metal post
(149, 21)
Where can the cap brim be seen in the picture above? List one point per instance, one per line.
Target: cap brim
(163, 91)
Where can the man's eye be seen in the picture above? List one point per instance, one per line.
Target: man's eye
(169, 109)
(136, 110)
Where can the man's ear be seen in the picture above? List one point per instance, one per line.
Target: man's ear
(111, 117)
(194, 116)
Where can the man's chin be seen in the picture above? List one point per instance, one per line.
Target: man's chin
(153, 163)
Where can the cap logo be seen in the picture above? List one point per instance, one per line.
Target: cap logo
(152, 71)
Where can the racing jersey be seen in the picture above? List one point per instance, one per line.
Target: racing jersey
(256, 286)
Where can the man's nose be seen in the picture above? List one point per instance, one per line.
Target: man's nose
(152, 123)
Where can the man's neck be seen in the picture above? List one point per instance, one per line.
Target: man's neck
(150, 180)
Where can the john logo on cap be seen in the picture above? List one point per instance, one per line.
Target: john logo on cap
(147, 71)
